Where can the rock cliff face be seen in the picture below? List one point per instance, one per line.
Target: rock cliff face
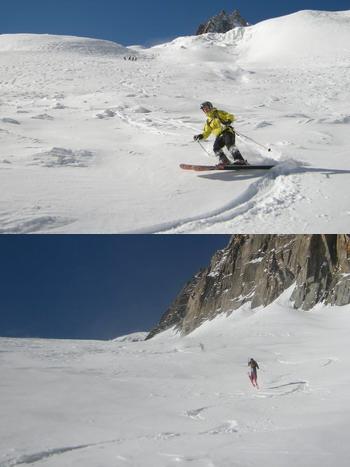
(222, 22)
(257, 269)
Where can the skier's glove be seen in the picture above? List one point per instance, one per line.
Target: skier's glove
(198, 137)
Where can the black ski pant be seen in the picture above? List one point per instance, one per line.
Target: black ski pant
(228, 139)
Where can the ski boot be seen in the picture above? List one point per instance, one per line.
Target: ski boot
(224, 160)
(240, 162)
(237, 156)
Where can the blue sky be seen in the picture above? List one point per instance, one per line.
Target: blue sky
(94, 286)
(139, 21)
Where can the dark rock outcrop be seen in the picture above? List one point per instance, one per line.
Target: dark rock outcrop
(177, 310)
(257, 269)
(222, 22)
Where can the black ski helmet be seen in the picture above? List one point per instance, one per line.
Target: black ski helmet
(207, 104)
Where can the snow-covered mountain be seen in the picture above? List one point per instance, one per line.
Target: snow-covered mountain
(50, 44)
(134, 337)
(255, 270)
(183, 400)
(91, 141)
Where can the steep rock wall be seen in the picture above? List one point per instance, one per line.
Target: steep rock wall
(257, 269)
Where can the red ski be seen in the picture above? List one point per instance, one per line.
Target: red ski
(238, 167)
(253, 381)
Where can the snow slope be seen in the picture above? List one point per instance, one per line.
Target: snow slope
(91, 141)
(183, 401)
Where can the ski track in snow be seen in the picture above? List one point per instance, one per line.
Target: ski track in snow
(283, 389)
(39, 456)
(28, 223)
(273, 192)
(228, 427)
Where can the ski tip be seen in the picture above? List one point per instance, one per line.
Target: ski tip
(197, 168)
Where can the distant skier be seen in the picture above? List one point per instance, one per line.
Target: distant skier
(253, 376)
(219, 123)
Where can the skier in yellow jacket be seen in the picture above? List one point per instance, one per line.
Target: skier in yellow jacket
(219, 123)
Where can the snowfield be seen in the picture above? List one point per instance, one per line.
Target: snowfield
(91, 141)
(183, 401)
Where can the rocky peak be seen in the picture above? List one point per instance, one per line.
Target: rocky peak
(222, 22)
(257, 269)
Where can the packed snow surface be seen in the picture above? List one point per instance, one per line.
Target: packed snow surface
(184, 401)
(92, 133)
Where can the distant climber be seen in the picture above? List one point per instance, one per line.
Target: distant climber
(253, 376)
(219, 123)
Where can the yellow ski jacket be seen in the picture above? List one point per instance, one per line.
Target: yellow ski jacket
(217, 122)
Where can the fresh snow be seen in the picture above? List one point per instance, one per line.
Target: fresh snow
(91, 141)
(183, 401)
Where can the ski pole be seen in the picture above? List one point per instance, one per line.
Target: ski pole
(246, 137)
(201, 145)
